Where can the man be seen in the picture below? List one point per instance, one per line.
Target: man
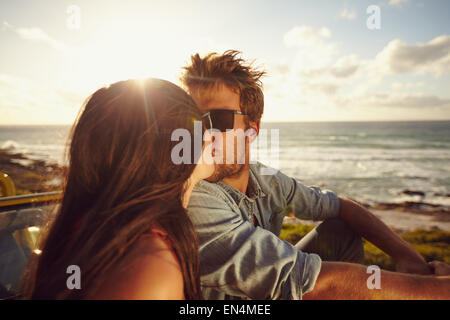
(238, 214)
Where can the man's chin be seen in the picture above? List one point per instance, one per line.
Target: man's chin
(226, 171)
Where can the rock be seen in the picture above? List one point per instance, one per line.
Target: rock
(441, 194)
(413, 193)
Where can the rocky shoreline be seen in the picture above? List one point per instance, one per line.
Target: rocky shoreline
(438, 212)
(30, 175)
(410, 215)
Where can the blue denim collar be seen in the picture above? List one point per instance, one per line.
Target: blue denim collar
(259, 193)
(238, 196)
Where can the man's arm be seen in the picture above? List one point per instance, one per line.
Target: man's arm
(314, 203)
(342, 280)
(367, 225)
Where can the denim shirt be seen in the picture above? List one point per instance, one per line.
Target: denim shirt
(239, 260)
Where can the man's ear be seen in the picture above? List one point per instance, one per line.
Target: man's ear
(255, 125)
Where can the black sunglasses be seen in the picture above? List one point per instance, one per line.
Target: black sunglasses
(221, 120)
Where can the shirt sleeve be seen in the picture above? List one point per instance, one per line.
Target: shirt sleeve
(242, 260)
(308, 202)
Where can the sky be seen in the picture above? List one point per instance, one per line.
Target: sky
(386, 60)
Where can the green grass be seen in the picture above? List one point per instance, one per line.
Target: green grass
(432, 244)
(293, 233)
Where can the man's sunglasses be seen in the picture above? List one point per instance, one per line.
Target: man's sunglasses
(221, 120)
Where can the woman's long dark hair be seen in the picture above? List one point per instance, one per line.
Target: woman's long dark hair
(120, 180)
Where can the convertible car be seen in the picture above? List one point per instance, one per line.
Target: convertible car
(21, 219)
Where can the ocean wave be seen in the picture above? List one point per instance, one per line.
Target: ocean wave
(338, 138)
(335, 142)
(10, 145)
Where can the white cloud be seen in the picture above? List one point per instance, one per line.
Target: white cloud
(431, 57)
(348, 14)
(319, 56)
(407, 101)
(314, 50)
(27, 102)
(397, 86)
(38, 35)
(300, 36)
(397, 3)
(345, 66)
(322, 84)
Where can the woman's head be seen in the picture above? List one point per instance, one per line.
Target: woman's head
(120, 179)
(123, 137)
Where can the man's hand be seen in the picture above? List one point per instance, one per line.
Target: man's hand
(440, 268)
(417, 267)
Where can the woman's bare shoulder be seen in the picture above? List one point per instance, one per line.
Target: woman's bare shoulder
(149, 271)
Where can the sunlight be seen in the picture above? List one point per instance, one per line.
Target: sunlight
(123, 51)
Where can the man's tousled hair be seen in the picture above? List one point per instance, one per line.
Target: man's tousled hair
(231, 70)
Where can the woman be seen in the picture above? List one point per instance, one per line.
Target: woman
(122, 219)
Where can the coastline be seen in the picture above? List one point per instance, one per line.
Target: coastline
(401, 217)
(32, 176)
(398, 220)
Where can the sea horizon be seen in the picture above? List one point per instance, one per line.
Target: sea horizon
(271, 122)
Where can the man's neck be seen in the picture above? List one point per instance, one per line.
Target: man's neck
(240, 181)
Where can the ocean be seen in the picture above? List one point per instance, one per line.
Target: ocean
(370, 162)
